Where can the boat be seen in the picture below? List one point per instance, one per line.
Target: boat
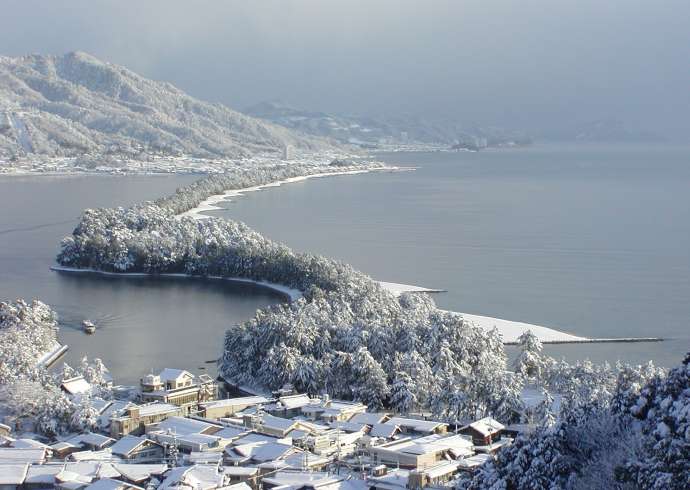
(89, 326)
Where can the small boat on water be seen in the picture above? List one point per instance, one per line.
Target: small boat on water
(89, 326)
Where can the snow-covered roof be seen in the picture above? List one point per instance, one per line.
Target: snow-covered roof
(394, 479)
(369, 418)
(415, 424)
(91, 439)
(183, 426)
(231, 402)
(230, 432)
(92, 469)
(441, 469)
(140, 472)
(238, 486)
(28, 444)
(299, 459)
(10, 455)
(104, 455)
(383, 430)
(348, 426)
(58, 446)
(76, 385)
(263, 451)
(13, 474)
(204, 457)
(127, 445)
(245, 471)
(300, 478)
(473, 461)
(170, 374)
(487, 426)
(197, 477)
(254, 437)
(279, 423)
(108, 484)
(295, 401)
(43, 474)
(157, 409)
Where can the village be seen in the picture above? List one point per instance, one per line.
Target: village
(178, 430)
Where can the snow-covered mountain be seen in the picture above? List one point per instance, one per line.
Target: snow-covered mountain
(369, 131)
(76, 104)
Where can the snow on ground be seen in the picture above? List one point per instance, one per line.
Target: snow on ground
(211, 202)
(397, 289)
(509, 330)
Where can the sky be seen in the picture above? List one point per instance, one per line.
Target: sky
(522, 64)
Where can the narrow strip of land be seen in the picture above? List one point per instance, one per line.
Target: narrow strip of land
(511, 330)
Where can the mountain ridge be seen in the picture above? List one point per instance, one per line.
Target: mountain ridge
(76, 104)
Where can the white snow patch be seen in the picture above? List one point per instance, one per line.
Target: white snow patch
(509, 330)
(397, 289)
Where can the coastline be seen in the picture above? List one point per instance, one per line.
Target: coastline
(289, 293)
(209, 204)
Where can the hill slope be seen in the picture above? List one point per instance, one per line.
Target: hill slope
(76, 104)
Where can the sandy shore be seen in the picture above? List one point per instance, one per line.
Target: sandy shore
(211, 203)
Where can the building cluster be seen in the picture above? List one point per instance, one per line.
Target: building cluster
(176, 433)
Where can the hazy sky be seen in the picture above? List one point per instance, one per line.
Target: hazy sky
(519, 63)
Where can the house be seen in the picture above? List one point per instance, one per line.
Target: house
(484, 431)
(91, 441)
(288, 406)
(89, 455)
(178, 387)
(369, 418)
(417, 426)
(435, 475)
(229, 407)
(42, 477)
(197, 477)
(384, 431)
(11, 455)
(242, 474)
(12, 476)
(299, 479)
(422, 452)
(333, 410)
(187, 443)
(63, 449)
(204, 457)
(75, 386)
(260, 452)
(136, 418)
(471, 463)
(138, 449)
(185, 426)
(273, 426)
(392, 480)
(140, 473)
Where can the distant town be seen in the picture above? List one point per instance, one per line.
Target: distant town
(178, 430)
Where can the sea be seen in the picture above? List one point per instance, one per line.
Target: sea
(593, 240)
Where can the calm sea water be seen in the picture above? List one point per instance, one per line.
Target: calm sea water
(593, 240)
(143, 324)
